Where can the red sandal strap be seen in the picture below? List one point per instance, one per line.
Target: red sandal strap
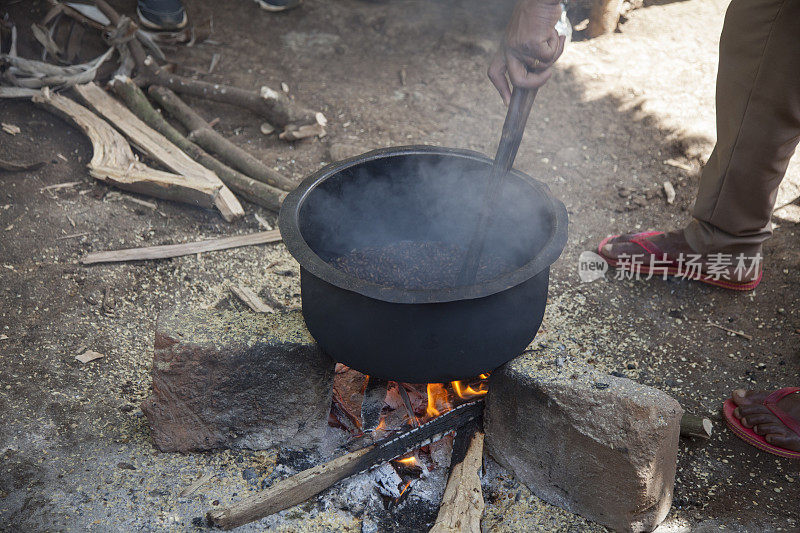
(771, 403)
(642, 239)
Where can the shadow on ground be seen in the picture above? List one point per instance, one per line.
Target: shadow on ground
(68, 431)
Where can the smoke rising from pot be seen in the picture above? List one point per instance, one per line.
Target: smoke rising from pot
(423, 198)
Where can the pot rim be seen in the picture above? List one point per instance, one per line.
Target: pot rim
(289, 224)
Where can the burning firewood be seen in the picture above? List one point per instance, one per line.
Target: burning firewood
(407, 402)
(348, 393)
(300, 487)
(342, 416)
(373, 402)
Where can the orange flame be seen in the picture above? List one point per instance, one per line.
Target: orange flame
(437, 399)
(405, 488)
(466, 393)
(408, 461)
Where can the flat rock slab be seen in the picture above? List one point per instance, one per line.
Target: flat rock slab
(237, 379)
(600, 446)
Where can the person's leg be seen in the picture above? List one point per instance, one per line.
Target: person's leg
(758, 126)
(162, 14)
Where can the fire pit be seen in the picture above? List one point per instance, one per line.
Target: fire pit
(351, 226)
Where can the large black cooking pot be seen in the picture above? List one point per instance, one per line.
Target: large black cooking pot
(421, 193)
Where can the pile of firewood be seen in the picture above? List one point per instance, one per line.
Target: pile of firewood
(205, 169)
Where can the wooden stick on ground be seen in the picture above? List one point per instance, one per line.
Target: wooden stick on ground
(696, 426)
(273, 105)
(12, 166)
(159, 148)
(251, 299)
(113, 161)
(33, 74)
(276, 107)
(729, 330)
(176, 250)
(58, 8)
(462, 503)
(18, 92)
(254, 191)
(200, 131)
(137, 50)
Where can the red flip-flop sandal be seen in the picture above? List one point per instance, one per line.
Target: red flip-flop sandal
(753, 438)
(670, 265)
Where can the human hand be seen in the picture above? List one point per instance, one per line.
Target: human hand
(530, 47)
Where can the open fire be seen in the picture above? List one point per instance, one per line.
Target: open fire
(402, 405)
(439, 399)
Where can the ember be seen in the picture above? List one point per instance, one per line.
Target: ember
(414, 265)
(401, 406)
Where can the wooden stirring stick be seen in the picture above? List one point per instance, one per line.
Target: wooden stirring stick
(514, 126)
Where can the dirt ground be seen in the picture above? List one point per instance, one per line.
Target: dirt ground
(75, 450)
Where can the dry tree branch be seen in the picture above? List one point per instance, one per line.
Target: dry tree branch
(200, 131)
(244, 186)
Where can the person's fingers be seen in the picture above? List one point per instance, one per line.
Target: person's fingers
(547, 50)
(562, 40)
(550, 57)
(521, 77)
(530, 62)
(497, 73)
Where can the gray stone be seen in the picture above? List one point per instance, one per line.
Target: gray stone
(239, 380)
(597, 445)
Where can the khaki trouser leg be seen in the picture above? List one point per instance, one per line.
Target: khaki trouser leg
(758, 127)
